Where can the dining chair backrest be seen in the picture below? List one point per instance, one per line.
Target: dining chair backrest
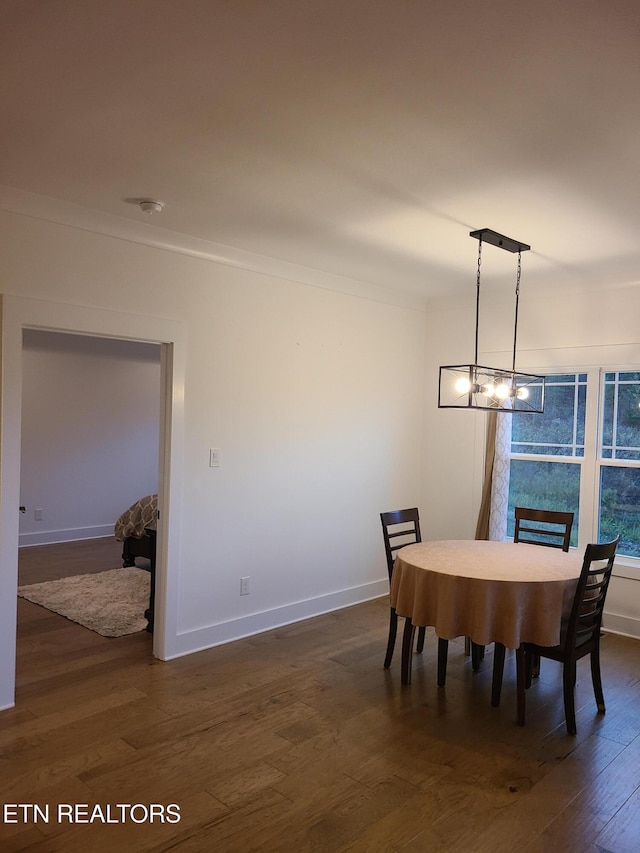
(583, 625)
(405, 530)
(543, 527)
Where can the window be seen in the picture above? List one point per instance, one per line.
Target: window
(547, 451)
(619, 480)
(554, 466)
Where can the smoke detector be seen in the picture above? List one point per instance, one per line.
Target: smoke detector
(150, 206)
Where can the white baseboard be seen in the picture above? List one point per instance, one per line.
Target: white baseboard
(199, 639)
(50, 537)
(246, 626)
(628, 626)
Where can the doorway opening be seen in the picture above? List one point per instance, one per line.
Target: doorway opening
(19, 314)
(89, 450)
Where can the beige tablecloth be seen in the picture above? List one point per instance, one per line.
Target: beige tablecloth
(489, 591)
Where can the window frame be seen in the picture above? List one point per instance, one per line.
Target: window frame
(592, 461)
(632, 564)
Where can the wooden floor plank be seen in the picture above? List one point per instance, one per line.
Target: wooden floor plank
(622, 832)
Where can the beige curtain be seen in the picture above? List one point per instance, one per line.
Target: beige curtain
(482, 527)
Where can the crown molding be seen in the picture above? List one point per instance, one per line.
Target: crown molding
(72, 215)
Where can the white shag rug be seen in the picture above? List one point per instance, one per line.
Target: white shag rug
(111, 603)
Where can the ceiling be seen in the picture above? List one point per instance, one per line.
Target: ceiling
(363, 138)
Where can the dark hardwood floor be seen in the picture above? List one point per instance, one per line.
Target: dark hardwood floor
(49, 562)
(298, 740)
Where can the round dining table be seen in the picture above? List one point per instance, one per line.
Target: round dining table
(502, 592)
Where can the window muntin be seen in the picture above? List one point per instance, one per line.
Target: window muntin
(560, 430)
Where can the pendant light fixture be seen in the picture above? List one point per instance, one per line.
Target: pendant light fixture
(474, 386)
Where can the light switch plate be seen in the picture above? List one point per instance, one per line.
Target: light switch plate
(214, 457)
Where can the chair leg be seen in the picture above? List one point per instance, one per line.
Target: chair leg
(528, 667)
(407, 649)
(443, 651)
(467, 646)
(498, 671)
(596, 678)
(391, 642)
(420, 643)
(477, 655)
(568, 684)
(534, 666)
(521, 688)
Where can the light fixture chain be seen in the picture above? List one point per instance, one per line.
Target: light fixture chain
(515, 324)
(475, 360)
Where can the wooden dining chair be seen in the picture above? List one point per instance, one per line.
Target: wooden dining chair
(579, 634)
(400, 527)
(543, 527)
(547, 527)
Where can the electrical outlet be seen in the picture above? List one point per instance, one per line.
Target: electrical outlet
(38, 514)
(244, 586)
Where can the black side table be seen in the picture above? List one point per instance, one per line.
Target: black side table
(149, 612)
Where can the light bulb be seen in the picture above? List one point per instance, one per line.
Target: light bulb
(502, 391)
(523, 393)
(489, 390)
(462, 385)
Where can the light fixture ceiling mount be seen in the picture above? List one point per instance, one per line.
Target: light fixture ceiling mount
(475, 386)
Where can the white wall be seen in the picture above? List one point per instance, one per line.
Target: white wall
(315, 398)
(592, 327)
(90, 428)
(454, 440)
